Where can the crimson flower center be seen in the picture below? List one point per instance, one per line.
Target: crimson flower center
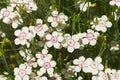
(104, 76)
(90, 36)
(22, 36)
(30, 62)
(101, 23)
(116, 76)
(54, 39)
(6, 13)
(22, 72)
(46, 65)
(71, 42)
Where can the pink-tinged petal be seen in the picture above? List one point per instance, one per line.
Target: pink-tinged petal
(44, 78)
(60, 38)
(14, 25)
(44, 51)
(6, 20)
(41, 34)
(85, 41)
(25, 29)
(93, 42)
(112, 2)
(77, 45)
(76, 61)
(98, 28)
(90, 31)
(48, 36)
(55, 13)
(1, 16)
(39, 73)
(42, 70)
(55, 33)
(16, 70)
(70, 49)
(10, 9)
(23, 42)
(75, 37)
(82, 58)
(57, 45)
(88, 61)
(12, 15)
(104, 18)
(77, 69)
(39, 21)
(26, 77)
(49, 44)
(96, 34)
(28, 70)
(50, 19)
(17, 41)
(40, 62)
(17, 32)
(22, 66)
(98, 59)
(104, 29)
(50, 71)
(47, 59)
(101, 67)
(2, 10)
(108, 24)
(94, 71)
(17, 78)
(53, 63)
(84, 34)
(45, 27)
(38, 55)
(54, 24)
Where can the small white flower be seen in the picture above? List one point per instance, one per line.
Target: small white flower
(90, 37)
(40, 78)
(94, 66)
(15, 3)
(115, 2)
(71, 42)
(114, 47)
(54, 40)
(101, 24)
(43, 55)
(55, 77)
(31, 62)
(84, 5)
(22, 73)
(22, 36)
(78, 63)
(3, 77)
(57, 19)
(46, 65)
(7, 14)
(39, 29)
(115, 75)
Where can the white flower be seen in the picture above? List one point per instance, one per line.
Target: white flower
(101, 24)
(31, 62)
(90, 37)
(15, 3)
(57, 19)
(115, 75)
(78, 63)
(71, 42)
(46, 65)
(54, 40)
(7, 14)
(55, 77)
(39, 29)
(40, 78)
(2, 77)
(84, 5)
(22, 36)
(114, 47)
(101, 76)
(43, 55)
(94, 66)
(30, 5)
(17, 20)
(115, 2)
(22, 73)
